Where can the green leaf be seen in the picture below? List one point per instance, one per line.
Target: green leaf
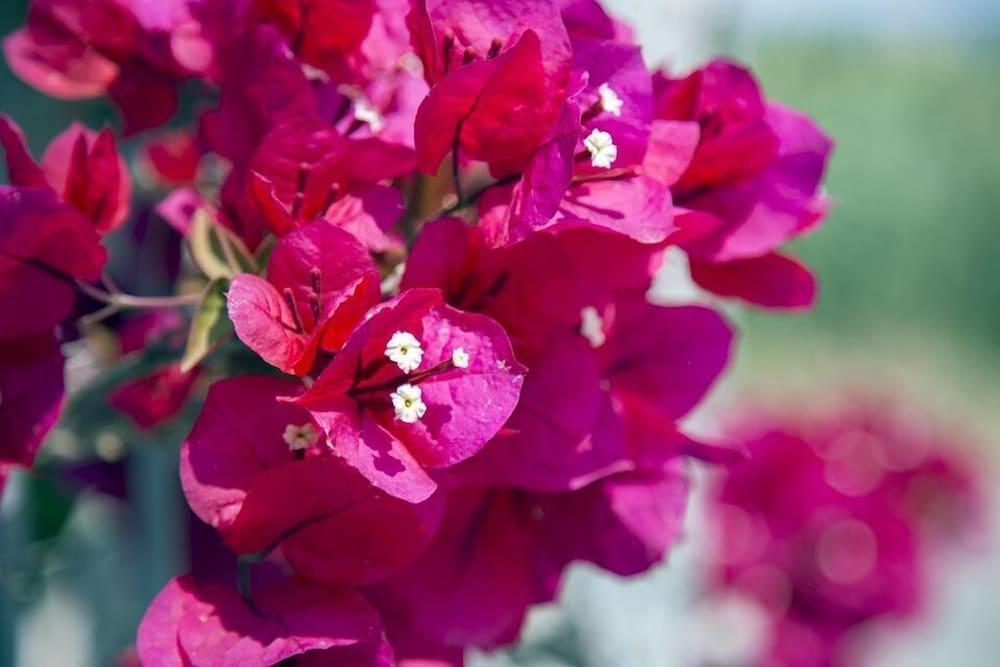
(209, 325)
(204, 247)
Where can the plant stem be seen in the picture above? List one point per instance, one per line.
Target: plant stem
(130, 301)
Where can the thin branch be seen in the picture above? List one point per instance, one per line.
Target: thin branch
(130, 301)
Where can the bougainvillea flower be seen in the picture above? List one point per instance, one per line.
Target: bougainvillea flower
(320, 283)
(31, 387)
(304, 167)
(498, 72)
(395, 420)
(155, 398)
(821, 527)
(636, 369)
(320, 32)
(586, 174)
(44, 246)
(782, 202)
(71, 49)
(384, 105)
(746, 173)
(261, 472)
(529, 288)
(83, 167)
(173, 158)
(499, 551)
(192, 623)
(262, 86)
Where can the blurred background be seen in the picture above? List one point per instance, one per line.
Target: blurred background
(910, 303)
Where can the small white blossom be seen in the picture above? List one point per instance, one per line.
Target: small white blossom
(404, 350)
(603, 151)
(366, 113)
(299, 437)
(460, 358)
(592, 326)
(610, 101)
(408, 404)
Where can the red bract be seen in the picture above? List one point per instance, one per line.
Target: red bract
(499, 72)
(320, 283)
(31, 387)
(305, 169)
(205, 624)
(607, 400)
(321, 32)
(572, 181)
(44, 247)
(751, 184)
(173, 158)
(418, 386)
(262, 86)
(82, 167)
(500, 551)
(529, 288)
(259, 470)
(406, 449)
(135, 53)
(155, 398)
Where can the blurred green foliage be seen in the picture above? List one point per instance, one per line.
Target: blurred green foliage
(912, 242)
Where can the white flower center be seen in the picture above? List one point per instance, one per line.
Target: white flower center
(404, 350)
(592, 326)
(299, 437)
(610, 101)
(460, 358)
(366, 113)
(603, 151)
(408, 404)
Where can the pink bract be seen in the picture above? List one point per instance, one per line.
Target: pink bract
(465, 407)
(31, 384)
(190, 623)
(241, 476)
(320, 284)
(44, 247)
(82, 167)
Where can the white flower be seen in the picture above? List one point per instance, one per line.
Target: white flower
(592, 326)
(404, 350)
(407, 403)
(366, 113)
(610, 101)
(300, 437)
(603, 151)
(460, 358)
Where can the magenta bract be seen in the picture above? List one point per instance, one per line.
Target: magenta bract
(465, 405)
(320, 284)
(205, 624)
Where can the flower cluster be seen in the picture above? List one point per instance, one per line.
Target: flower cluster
(434, 224)
(835, 520)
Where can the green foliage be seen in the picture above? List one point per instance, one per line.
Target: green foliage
(209, 326)
(912, 240)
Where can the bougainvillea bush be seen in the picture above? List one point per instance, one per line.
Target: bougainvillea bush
(842, 515)
(408, 250)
